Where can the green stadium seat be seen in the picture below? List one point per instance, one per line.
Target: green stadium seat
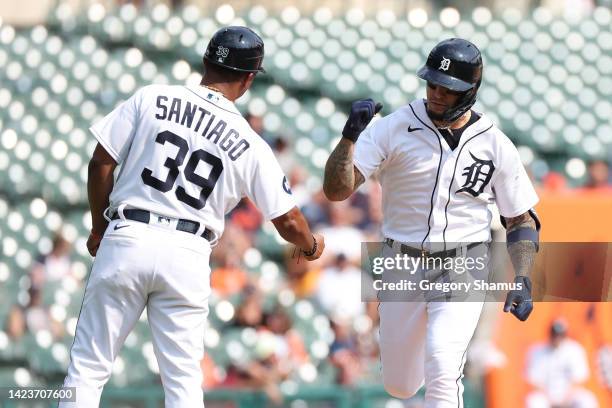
(322, 16)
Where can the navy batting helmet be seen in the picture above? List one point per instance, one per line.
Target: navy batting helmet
(455, 64)
(236, 48)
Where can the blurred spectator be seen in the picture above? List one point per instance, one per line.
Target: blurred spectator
(284, 155)
(339, 289)
(246, 216)
(604, 365)
(598, 175)
(297, 183)
(289, 348)
(256, 123)
(302, 277)
(229, 278)
(344, 354)
(262, 373)
(554, 181)
(38, 318)
(556, 370)
(341, 237)
(234, 240)
(278, 352)
(212, 375)
(360, 204)
(250, 312)
(52, 267)
(315, 210)
(15, 324)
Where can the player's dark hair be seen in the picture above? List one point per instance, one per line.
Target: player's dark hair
(218, 73)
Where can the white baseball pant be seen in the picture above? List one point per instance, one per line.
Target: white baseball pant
(426, 343)
(142, 265)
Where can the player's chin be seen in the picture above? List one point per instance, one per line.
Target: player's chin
(435, 113)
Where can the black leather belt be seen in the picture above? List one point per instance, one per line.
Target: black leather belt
(189, 226)
(417, 253)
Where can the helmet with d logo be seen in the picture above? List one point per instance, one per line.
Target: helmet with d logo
(455, 64)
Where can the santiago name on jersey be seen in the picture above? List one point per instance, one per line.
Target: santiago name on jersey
(186, 152)
(432, 194)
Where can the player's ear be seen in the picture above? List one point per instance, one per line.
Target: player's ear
(246, 82)
(249, 78)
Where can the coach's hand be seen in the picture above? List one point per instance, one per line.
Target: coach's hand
(362, 112)
(93, 242)
(317, 249)
(518, 302)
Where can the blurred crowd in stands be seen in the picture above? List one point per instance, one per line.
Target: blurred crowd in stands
(598, 179)
(31, 315)
(332, 283)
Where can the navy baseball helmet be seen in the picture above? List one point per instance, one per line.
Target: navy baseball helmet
(236, 48)
(455, 64)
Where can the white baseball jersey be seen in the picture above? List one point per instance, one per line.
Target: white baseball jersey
(432, 194)
(186, 152)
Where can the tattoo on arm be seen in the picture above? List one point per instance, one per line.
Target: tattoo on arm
(522, 221)
(340, 179)
(522, 253)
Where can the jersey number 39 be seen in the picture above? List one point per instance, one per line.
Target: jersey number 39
(173, 164)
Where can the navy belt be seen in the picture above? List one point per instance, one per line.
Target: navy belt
(417, 253)
(189, 226)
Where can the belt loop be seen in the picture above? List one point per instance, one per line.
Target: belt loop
(174, 223)
(120, 209)
(201, 229)
(214, 240)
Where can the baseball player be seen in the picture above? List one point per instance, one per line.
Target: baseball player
(187, 158)
(440, 164)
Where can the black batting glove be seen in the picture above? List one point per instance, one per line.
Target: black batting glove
(519, 302)
(362, 112)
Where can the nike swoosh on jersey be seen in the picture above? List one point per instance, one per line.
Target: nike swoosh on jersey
(411, 129)
(120, 226)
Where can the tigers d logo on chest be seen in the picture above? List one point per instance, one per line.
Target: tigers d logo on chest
(477, 176)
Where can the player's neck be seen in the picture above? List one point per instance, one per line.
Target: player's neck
(223, 88)
(459, 123)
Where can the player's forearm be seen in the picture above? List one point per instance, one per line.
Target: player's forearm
(339, 179)
(522, 253)
(99, 186)
(294, 228)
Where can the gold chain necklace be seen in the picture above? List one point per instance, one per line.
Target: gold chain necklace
(212, 88)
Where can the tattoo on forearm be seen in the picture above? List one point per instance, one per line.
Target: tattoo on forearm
(339, 177)
(522, 221)
(522, 253)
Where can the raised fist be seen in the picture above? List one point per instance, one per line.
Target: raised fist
(362, 112)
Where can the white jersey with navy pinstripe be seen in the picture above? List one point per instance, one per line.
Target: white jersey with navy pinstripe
(432, 194)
